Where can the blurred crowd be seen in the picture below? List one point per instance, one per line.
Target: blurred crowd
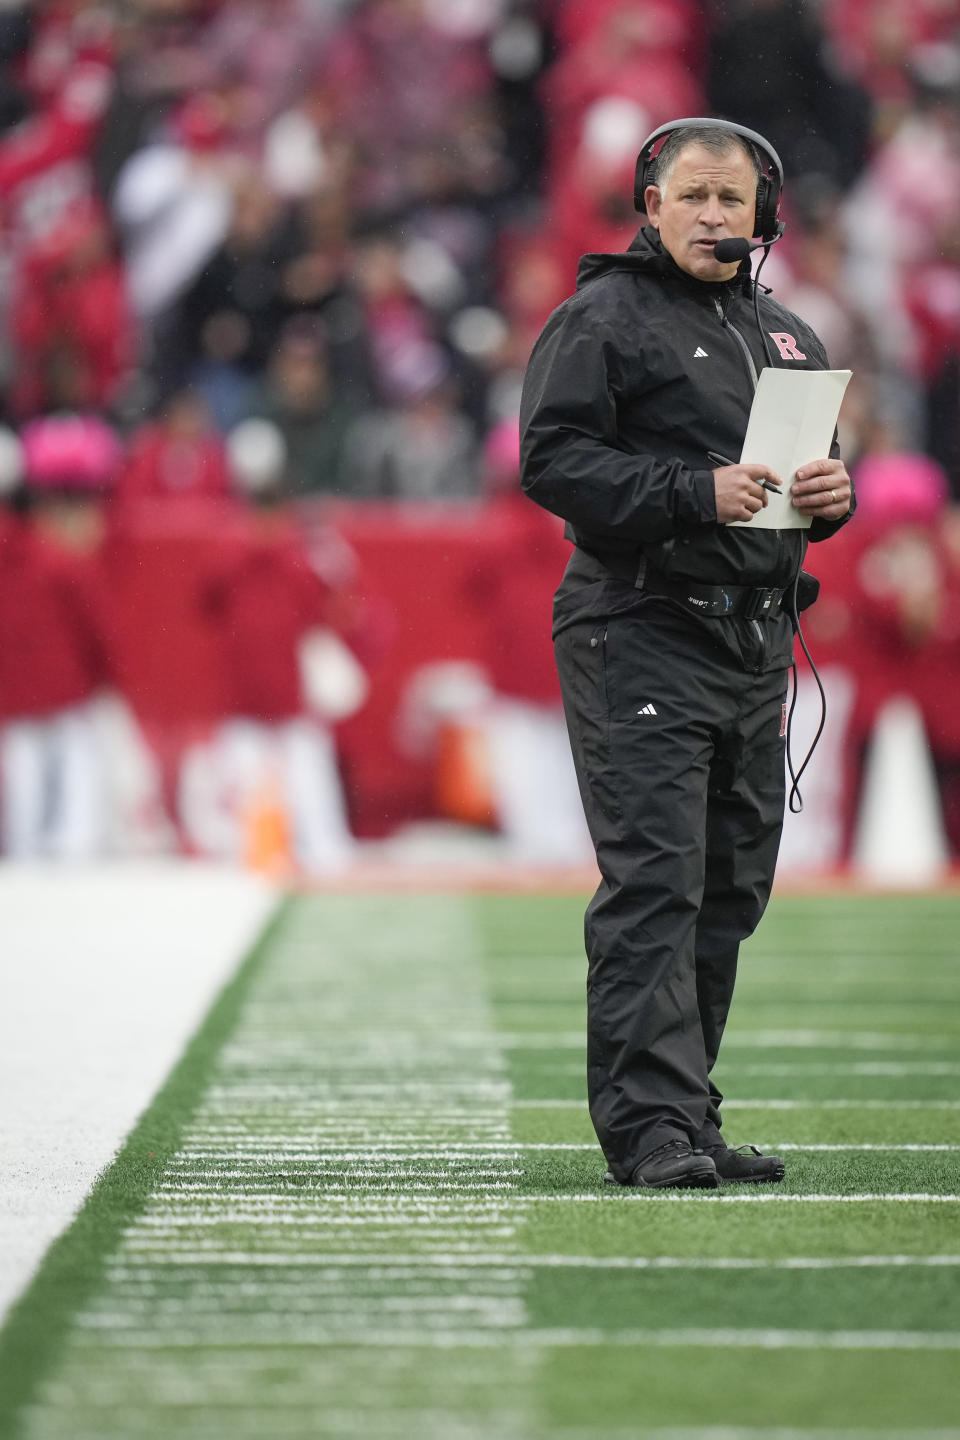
(266, 256)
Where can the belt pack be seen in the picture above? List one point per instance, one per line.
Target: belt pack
(752, 602)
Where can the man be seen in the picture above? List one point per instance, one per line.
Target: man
(672, 631)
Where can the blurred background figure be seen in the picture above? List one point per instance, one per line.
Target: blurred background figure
(908, 579)
(172, 202)
(277, 799)
(70, 319)
(298, 396)
(535, 801)
(771, 63)
(415, 139)
(54, 647)
(421, 447)
(178, 456)
(57, 67)
(219, 335)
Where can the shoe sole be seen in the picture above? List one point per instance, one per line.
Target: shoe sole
(692, 1180)
(695, 1180)
(772, 1178)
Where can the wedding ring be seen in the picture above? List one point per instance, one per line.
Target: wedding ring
(833, 496)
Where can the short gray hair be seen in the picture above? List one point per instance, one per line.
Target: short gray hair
(719, 142)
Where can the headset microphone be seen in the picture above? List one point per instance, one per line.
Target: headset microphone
(727, 250)
(738, 249)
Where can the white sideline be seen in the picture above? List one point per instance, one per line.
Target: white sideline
(105, 973)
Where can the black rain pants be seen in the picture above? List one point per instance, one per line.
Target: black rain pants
(679, 753)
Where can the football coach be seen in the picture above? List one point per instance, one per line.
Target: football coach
(673, 631)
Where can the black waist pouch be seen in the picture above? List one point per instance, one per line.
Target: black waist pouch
(808, 588)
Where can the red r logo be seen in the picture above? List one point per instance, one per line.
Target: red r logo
(786, 345)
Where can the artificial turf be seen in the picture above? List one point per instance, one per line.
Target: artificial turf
(369, 1201)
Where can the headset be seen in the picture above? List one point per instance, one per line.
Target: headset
(768, 226)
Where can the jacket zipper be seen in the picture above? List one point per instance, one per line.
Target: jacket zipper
(755, 379)
(740, 341)
(761, 641)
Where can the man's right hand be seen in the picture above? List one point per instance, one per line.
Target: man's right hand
(739, 493)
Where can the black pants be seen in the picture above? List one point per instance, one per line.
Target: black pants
(679, 754)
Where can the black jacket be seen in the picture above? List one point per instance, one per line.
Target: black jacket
(632, 381)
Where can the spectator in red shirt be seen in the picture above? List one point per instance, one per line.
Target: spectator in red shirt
(71, 303)
(66, 77)
(178, 456)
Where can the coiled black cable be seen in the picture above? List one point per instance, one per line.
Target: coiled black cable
(795, 799)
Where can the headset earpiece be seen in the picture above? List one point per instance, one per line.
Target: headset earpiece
(768, 205)
(769, 187)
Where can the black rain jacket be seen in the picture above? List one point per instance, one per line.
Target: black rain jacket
(634, 379)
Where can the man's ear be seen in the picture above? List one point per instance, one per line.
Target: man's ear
(651, 200)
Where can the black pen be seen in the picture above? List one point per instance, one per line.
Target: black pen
(722, 460)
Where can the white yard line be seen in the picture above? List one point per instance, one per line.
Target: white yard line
(881, 1069)
(894, 1068)
(881, 1040)
(459, 1262)
(829, 1149)
(758, 1432)
(773, 1104)
(707, 1196)
(264, 1148)
(111, 1335)
(323, 1103)
(713, 1197)
(106, 971)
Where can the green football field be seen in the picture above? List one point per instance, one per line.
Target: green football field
(368, 1201)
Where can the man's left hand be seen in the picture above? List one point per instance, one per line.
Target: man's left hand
(822, 488)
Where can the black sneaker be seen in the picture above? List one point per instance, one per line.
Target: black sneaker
(745, 1165)
(674, 1166)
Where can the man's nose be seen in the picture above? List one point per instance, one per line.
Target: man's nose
(711, 211)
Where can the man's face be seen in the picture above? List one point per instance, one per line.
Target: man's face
(707, 198)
